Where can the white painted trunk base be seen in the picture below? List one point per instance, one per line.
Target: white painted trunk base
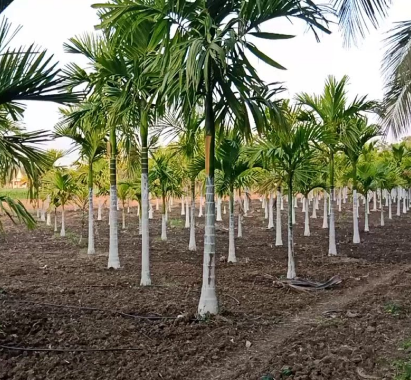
(356, 234)
(63, 226)
(163, 227)
(278, 232)
(145, 253)
(113, 258)
(192, 243)
(90, 249)
(307, 219)
(270, 212)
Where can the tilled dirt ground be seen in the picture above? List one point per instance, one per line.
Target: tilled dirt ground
(351, 332)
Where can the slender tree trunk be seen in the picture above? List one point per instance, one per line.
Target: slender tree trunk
(123, 215)
(291, 263)
(157, 204)
(382, 216)
(145, 250)
(208, 300)
(100, 206)
(55, 220)
(356, 236)
(307, 218)
(315, 202)
(339, 199)
(48, 223)
(90, 248)
(270, 212)
(404, 202)
(187, 214)
(374, 201)
(304, 205)
(43, 212)
(192, 244)
(367, 205)
(325, 213)
(219, 217)
(63, 226)
(163, 219)
(265, 203)
(240, 225)
(282, 203)
(200, 212)
(183, 210)
(293, 213)
(389, 205)
(231, 232)
(113, 258)
(278, 228)
(398, 202)
(332, 247)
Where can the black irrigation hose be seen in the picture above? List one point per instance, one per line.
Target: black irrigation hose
(67, 350)
(153, 318)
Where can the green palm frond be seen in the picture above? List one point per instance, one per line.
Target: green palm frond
(14, 209)
(356, 16)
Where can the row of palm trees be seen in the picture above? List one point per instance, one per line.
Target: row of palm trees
(153, 56)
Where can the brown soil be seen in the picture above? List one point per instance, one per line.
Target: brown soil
(351, 332)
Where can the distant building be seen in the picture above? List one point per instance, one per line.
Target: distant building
(18, 182)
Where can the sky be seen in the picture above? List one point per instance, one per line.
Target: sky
(50, 23)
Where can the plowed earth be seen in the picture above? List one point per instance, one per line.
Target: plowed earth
(55, 297)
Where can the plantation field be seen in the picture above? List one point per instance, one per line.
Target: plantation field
(53, 296)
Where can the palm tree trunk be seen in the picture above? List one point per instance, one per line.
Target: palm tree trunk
(294, 202)
(187, 214)
(356, 235)
(291, 263)
(404, 202)
(55, 220)
(163, 219)
(382, 216)
(332, 247)
(315, 202)
(389, 205)
(200, 212)
(192, 244)
(374, 201)
(367, 205)
(183, 211)
(339, 200)
(208, 300)
(240, 225)
(307, 218)
(265, 204)
(113, 258)
(123, 216)
(270, 212)
(100, 206)
(278, 228)
(219, 217)
(398, 202)
(231, 233)
(63, 226)
(145, 252)
(325, 213)
(90, 249)
(48, 223)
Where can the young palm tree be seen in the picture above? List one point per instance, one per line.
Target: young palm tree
(354, 142)
(165, 175)
(62, 186)
(204, 58)
(332, 111)
(233, 172)
(90, 139)
(291, 145)
(189, 132)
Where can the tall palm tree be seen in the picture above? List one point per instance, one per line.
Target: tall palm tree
(360, 132)
(203, 46)
(90, 139)
(332, 111)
